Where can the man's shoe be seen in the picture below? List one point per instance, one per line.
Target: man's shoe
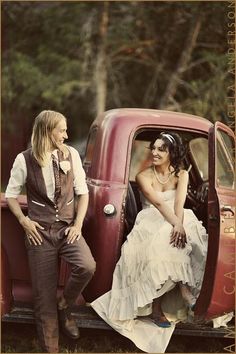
(68, 323)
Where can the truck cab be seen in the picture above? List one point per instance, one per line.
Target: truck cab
(117, 149)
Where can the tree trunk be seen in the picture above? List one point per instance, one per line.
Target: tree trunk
(100, 75)
(184, 59)
(152, 88)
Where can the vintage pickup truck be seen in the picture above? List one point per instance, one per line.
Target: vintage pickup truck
(116, 151)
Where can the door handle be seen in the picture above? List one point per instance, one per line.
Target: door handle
(213, 217)
(226, 208)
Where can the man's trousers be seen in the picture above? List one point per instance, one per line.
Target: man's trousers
(43, 263)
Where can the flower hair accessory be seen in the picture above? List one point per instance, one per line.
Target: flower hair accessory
(65, 166)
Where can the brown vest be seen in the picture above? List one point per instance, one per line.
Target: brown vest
(40, 207)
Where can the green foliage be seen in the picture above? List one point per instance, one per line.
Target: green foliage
(50, 51)
(22, 76)
(208, 98)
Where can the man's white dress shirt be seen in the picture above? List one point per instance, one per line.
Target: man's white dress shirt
(19, 174)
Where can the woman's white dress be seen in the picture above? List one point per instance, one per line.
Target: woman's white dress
(148, 268)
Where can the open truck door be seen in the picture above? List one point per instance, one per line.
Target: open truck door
(218, 289)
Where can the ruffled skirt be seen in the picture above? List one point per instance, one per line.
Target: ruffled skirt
(150, 267)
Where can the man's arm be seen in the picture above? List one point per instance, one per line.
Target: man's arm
(81, 208)
(15, 184)
(28, 225)
(82, 197)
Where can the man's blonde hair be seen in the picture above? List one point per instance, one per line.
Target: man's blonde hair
(41, 140)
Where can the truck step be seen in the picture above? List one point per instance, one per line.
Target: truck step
(86, 317)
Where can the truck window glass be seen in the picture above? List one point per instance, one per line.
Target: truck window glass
(140, 157)
(225, 149)
(199, 151)
(90, 147)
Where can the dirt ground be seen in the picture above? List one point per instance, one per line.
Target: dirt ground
(18, 338)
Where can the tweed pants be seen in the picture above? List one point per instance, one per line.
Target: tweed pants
(43, 263)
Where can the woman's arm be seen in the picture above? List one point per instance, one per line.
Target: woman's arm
(178, 236)
(180, 196)
(181, 193)
(149, 193)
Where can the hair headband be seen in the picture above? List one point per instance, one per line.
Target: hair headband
(169, 137)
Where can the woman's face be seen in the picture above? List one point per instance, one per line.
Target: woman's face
(59, 133)
(160, 154)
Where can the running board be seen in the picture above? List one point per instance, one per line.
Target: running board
(86, 317)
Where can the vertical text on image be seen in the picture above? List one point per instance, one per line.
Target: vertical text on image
(231, 64)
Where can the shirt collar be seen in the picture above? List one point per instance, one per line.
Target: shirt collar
(55, 153)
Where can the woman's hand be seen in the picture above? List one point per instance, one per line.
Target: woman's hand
(31, 231)
(178, 236)
(73, 233)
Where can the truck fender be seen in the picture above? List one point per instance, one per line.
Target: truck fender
(6, 287)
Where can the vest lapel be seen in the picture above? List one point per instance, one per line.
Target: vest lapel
(39, 180)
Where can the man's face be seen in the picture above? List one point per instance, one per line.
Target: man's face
(59, 133)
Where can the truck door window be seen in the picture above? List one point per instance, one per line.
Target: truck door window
(140, 158)
(90, 148)
(199, 152)
(225, 150)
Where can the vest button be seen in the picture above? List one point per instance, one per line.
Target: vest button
(56, 215)
(57, 220)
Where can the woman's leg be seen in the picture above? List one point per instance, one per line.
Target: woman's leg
(187, 295)
(156, 308)
(158, 315)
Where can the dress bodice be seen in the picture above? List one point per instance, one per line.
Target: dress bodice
(168, 196)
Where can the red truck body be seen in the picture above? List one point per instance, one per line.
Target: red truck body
(116, 151)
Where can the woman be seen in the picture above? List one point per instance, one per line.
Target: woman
(160, 270)
(57, 197)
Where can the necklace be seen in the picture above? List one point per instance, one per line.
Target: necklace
(156, 175)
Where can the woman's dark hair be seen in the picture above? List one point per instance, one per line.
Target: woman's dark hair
(176, 148)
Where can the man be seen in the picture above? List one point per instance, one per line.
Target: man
(57, 197)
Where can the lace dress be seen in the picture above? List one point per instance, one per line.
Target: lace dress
(150, 267)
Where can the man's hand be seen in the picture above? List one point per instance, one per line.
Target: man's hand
(73, 233)
(178, 236)
(30, 228)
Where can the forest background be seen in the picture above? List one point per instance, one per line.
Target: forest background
(82, 57)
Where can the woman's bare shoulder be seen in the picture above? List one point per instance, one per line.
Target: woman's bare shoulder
(147, 173)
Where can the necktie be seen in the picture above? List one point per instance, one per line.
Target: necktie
(57, 179)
